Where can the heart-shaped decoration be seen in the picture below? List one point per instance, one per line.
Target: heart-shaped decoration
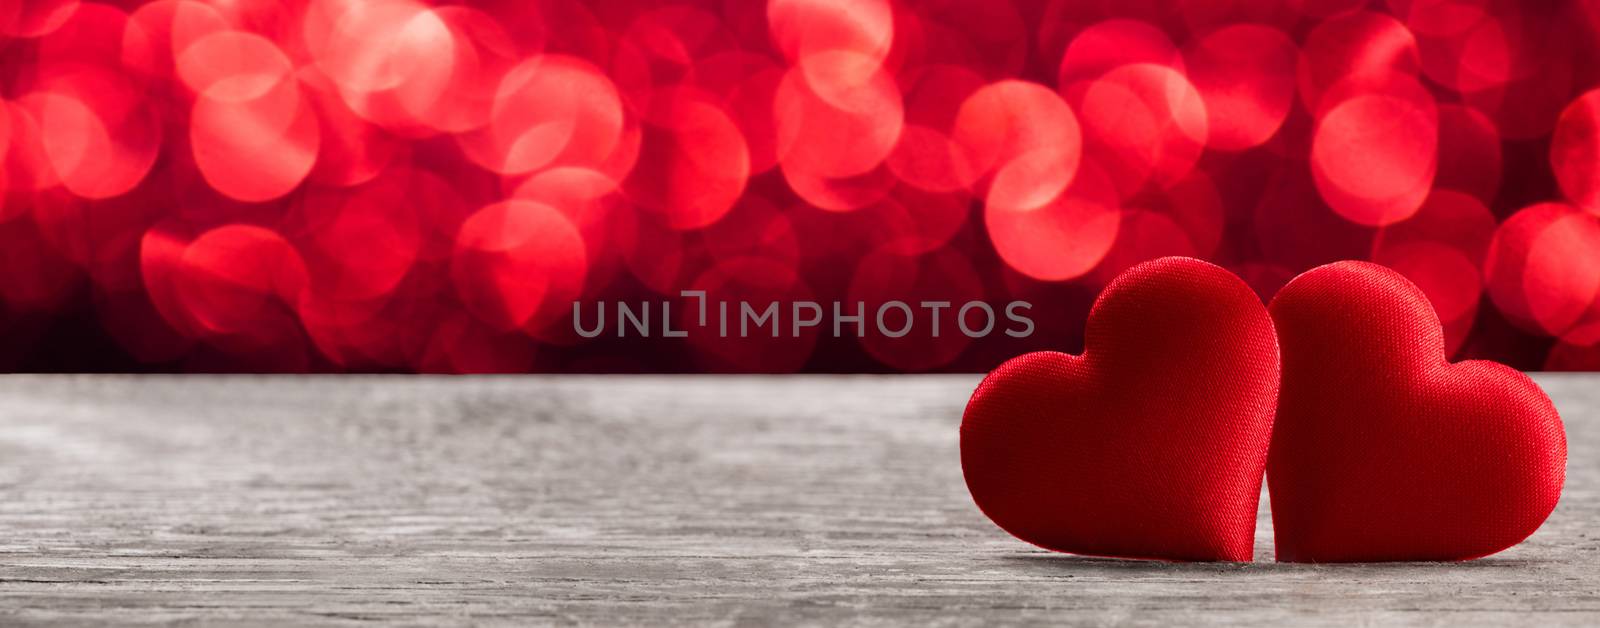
(1152, 443)
(1383, 450)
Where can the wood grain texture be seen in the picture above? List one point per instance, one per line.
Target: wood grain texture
(703, 500)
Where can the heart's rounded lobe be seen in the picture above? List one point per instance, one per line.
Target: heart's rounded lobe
(1385, 451)
(1152, 443)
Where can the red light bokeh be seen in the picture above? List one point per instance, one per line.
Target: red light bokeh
(410, 185)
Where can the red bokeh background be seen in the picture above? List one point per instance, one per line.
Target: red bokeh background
(402, 185)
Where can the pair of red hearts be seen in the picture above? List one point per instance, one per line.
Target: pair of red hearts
(1153, 442)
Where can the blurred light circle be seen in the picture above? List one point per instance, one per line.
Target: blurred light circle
(173, 26)
(97, 130)
(161, 251)
(1575, 151)
(1577, 350)
(351, 151)
(97, 35)
(930, 160)
(27, 166)
(99, 138)
(355, 334)
(549, 110)
(233, 67)
(1558, 292)
(518, 263)
(1530, 267)
(840, 194)
(1358, 48)
(359, 244)
(1475, 59)
(1144, 123)
(595, 205)
(844, 129)
(35, 18)
(236, 278)
(1455, 219)
(1065, 238)
(1246, 76)
(1108, 45)
(381, 45)
(803, 28)
(1522, 70)
(693, 163)
(255, 150)
(1025, 136)
(1374, 157)
(482, 53)
(1484, 58)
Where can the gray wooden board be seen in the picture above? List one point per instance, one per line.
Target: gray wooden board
(703, 500)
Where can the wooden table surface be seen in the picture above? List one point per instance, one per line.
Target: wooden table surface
(703, 500)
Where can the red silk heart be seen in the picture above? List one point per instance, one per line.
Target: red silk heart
(1382, 449)
(1152, 443)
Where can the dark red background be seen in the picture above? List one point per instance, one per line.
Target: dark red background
(396, 185)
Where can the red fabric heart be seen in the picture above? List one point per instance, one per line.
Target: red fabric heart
(1152, 443)
(1383, 450)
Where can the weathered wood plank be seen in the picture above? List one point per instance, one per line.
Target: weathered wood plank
(628, 500)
